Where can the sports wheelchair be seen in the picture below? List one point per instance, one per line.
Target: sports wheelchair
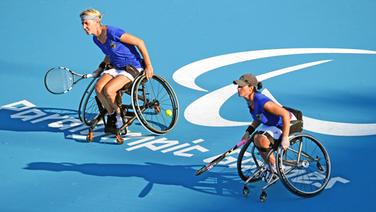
(304, 167)
(153, 103)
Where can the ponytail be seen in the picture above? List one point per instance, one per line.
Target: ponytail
(259, 86)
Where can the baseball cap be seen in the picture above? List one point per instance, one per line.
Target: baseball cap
(246, 79)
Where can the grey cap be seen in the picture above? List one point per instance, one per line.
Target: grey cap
(246, 79)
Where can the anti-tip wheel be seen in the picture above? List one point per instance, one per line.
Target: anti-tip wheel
(263, 196)
(245, 191)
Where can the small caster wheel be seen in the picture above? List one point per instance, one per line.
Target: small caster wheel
(119, 139)
(90, 136)
(245, 191)
(263, 196)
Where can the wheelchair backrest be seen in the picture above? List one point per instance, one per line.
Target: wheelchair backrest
(132, 70)
(297, 113)
(296, 125)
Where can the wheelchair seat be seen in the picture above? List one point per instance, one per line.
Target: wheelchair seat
(135, 73)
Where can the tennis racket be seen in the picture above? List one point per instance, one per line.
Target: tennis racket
(218, 159)
(60, 80)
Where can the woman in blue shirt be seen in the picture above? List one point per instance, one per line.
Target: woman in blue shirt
(271, 120)
(121, 49)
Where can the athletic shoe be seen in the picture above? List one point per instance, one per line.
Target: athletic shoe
(119, 121)
(267, 175)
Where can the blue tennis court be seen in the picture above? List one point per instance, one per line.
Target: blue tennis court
(317, 56)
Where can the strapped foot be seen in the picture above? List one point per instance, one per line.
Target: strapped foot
(269, 175)
(110, 126)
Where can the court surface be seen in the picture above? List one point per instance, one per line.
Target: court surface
(324, 53)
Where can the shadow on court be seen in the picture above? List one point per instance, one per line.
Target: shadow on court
(223, 184)
(44, 119)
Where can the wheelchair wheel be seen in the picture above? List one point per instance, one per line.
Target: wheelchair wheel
(155, 104)
(305, 166)
(88, 109)
(249, 162)
(80, 110)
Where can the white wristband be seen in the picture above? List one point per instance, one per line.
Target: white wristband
(89, 75)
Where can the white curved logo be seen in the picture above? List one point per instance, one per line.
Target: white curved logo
(205, 110)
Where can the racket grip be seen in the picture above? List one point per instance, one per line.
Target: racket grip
(88, 75)
(241, 143)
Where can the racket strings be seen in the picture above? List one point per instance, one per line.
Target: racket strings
(59, 80)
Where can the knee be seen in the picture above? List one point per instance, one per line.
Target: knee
(98, 88)
(261, 141)
(256, 140)
(108, 91)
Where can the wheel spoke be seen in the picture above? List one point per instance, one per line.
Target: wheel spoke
(154, 118)
(301, 173)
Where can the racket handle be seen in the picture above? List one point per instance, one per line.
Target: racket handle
(88, 75)
(241, 143)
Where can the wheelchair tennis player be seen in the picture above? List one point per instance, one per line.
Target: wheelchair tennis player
(121, 49)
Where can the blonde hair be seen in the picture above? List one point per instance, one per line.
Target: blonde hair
(91, 12)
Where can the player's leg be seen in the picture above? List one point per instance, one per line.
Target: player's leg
(110, 92)
(262, 142)
(105, 78)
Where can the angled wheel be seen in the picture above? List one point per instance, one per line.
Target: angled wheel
(84, 97)
(305, 166)
(249, 162)
(88, 109)
(155, 104)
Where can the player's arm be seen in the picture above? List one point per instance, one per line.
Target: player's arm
(250, 129)
(100, 68)
(140, 44)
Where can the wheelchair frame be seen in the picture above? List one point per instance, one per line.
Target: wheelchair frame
(283, 173)
(129, 112)
(259, 169)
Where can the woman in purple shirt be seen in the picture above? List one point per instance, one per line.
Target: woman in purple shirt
(121, 49)
(271, 120)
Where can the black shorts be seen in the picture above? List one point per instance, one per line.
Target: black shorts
(274, 143)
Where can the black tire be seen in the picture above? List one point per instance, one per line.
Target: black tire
(150, 100)
(88, 109)
(311, 174)
(80, 110)
(249, 162)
